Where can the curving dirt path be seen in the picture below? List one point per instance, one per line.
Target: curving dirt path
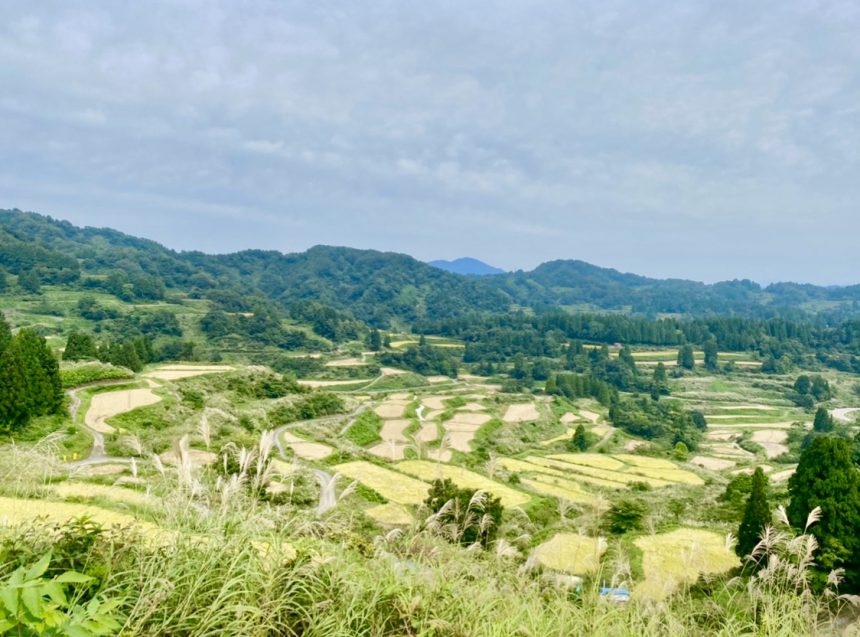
(97, 451)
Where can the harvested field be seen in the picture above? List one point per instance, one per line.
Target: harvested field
(435, 380)
(390, 514)
(469, 419)
(316, 384)
(394, 429)
(472, 407)
(104, 406)
(520, 466)
(678, 558)
(524, 412)
(67, 490)
(346, 362)
(657, 472)
(428, 432)
(391, 371)
(17, 510)
(567, 435)
(389, 450)
(645, 461)
(591, 475)
(391, 408)
(714, 464)
(589, 415)
(596, 460)
(568, 418)
(390, 484)
(199, 457)
(558, 487)
(461, 440)
(721, 435)
(176, 372)
(730, 450)
(305, 449)
(785, 424)
(772, 441)
(571, 553)
(463, 478)
(433, 415)
(440, 455)
(435, 402)
(782, 476)
(106, 469)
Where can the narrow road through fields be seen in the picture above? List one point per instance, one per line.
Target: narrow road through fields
(97, 453)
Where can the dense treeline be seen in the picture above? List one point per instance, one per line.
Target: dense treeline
(29, 378)
(423, 359)
(388, 289)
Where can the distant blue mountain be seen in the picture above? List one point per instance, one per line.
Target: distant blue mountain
(467, 266)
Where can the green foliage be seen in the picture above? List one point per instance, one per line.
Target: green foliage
(423, 359)
(579, 442)
(665, 421)
(823, 422)
(29, 282)
(686, 357)
(711, 355)
(78, 374)
(826, 477)
(34, 604)
(365, 430)
(737, 491)
(29, 379)
(79, 346)
(464, 515)
(756, 515)
(625, 515)
(680, 451)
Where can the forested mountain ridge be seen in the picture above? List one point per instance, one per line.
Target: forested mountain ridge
(382, 288)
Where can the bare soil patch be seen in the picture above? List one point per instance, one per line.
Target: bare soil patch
(306, 450)
(772, 440)
(568, 418)
(104, 406)
(391, 409)
(589, 415)
(393, 429)
(175, 372)
(714, 464)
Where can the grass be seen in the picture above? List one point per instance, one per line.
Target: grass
(464, 479)
(76, 374)
(571, 553)
(87, 490)
(673, 559)
(391, 514)
(391, 485)
(365, 430)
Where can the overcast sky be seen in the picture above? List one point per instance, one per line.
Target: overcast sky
(705, 140)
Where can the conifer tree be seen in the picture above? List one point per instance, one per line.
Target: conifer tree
(756, 515)
(14, 412)
(823, 422)
(580, 438)
(711, 355)
(686, 357)
(79, 346)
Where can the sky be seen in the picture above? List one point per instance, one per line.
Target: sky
(704, 140)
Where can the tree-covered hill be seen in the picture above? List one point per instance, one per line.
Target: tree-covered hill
(379, 288)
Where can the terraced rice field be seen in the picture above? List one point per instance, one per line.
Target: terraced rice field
(199, 457)
(463, 478)
(177, 372)
(678, 558)
(306, 449)
(67, 490)
(571, 553)
(390, 484)
(391, 408)
(713, 464)
(523, 412)
(772, 441)
(391, 514)
(567, 435)
(109, 404)
(558, 487)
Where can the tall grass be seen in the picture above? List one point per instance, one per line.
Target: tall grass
(242, 566)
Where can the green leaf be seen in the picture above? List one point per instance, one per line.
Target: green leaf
(55, 591)
(9, 596)
(7, 625)
(38, 569)
(73, 577)
(77, 631)
(32, 598)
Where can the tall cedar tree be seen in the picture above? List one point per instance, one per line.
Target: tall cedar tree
(756, 515)
(580, 438)
(79, 346)
(823, 422)
(686, 357)
(826, 477)
(14, 408)
(41, 372)
(711, 356)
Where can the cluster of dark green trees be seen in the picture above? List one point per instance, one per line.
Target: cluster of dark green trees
(423, 358)
(29, 378)
(132, 353)
(827, 477)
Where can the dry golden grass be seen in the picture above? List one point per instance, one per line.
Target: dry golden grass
(557, 487)
(567, 435)
(512, 464)
(571, 553)
(463, 478)
(645, 461)
(391, 485)
(391, 514)
(714, 464)
(596, 460)
(117, 494)
(176, 372)
(674, 559)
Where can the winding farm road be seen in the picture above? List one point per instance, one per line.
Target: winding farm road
(97, 453)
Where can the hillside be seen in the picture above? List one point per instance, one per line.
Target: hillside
(383, 288)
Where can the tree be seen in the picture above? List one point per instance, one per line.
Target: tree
(803, 385)
(468, 518)
(626, 515)
(79, 346)
(826, 477)
(375, 340)
(756, 515)
(823, 422)
(29, 282)
(711, 355)
(5, 333)
(41, 372)
(659, 382)
(14, 412)
(820, 388)
(686, 357)
(681, 452)
(580, 438)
